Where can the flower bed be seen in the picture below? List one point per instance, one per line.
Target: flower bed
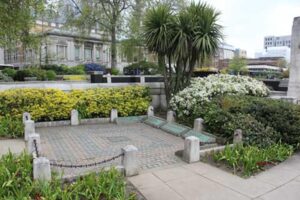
(248, 160)
(16, 183)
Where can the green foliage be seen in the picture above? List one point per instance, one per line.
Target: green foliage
(115, 71)
(51, 75)
(5, 78)
(16, 183)
(65, 70)
(9, 72)
(144, 67)
(282, 116)
(11, 127)
(40, 74)
(251, 159)
(238, 65)
(16, 20)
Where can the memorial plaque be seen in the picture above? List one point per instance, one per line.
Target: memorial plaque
(155, 122)
(204, 138)
(175, 129)
(131, 119)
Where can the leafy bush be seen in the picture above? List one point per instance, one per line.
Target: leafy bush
(129, 101)
(51, 75)
(5, 78)
(11, 127)
(16, 183)
(53, 104)
(115, 71)
(284, 117)
(204, 89)
(251, 159)
(40, 74)
(143, 67)
(65, 70)
(9, 72)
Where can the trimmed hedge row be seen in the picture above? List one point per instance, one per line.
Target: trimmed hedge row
(53, 104)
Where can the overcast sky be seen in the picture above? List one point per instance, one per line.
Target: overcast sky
(246, 22)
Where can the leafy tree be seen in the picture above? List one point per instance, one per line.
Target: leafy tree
(237, 65)
(105, 14)
(16, 20)
(181, 40)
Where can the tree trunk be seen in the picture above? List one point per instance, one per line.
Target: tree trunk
(113, 47)
(162, 65)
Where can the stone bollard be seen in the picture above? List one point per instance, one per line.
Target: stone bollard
(170, 116)
(74, 118)
(191, 152)
(198, 124)
(130, 160)
(142, 79)
(113, 115)
(41, 169)
(238, 136)
(150, 111)
(108, 78)
(29, 129)
(26, 117)
(31, 146)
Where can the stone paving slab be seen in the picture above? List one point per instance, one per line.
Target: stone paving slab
(14, 145)
(90, 143)
(202, 181)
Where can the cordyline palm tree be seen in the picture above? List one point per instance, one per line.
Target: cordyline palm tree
(185, 39)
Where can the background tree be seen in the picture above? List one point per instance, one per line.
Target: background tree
(181, 40)
(16, 20)
(104, 14)
(237, 65)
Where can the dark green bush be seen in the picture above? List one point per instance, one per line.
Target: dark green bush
(9, 72)
(282, 116)
(143, 67)
(11, 127)
(5, 78)
(65, 70)
(31, 72)
(51, 75)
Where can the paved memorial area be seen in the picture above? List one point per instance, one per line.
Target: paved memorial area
(90, 143)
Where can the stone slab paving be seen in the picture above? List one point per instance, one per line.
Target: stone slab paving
(14, 145)
(90, 143)
(200, 181)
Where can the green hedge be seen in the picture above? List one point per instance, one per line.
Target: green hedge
(264, 121)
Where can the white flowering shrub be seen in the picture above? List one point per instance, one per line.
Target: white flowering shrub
(203, 89)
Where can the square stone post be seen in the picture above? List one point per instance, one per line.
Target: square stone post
(238, 136)
(29, 128)
(142, 79)
(26, 116)
(31, 146)
(74, 118)
(113, 115)
(130, 160)
(191, 152)
(198, 124)
(150, 111)
(170, 116)
(41, 169)
(108, 78)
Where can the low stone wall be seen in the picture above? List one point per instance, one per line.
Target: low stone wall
(156, 88)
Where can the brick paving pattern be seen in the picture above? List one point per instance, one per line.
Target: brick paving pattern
(90, 143)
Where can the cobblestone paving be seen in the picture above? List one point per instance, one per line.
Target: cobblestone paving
(90, 143)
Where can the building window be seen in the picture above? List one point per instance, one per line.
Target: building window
(98, 54)
(77, 52)
(61, 52)
(88, 51)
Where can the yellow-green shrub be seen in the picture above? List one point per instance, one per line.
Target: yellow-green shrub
(53, 104)
(98, 102)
